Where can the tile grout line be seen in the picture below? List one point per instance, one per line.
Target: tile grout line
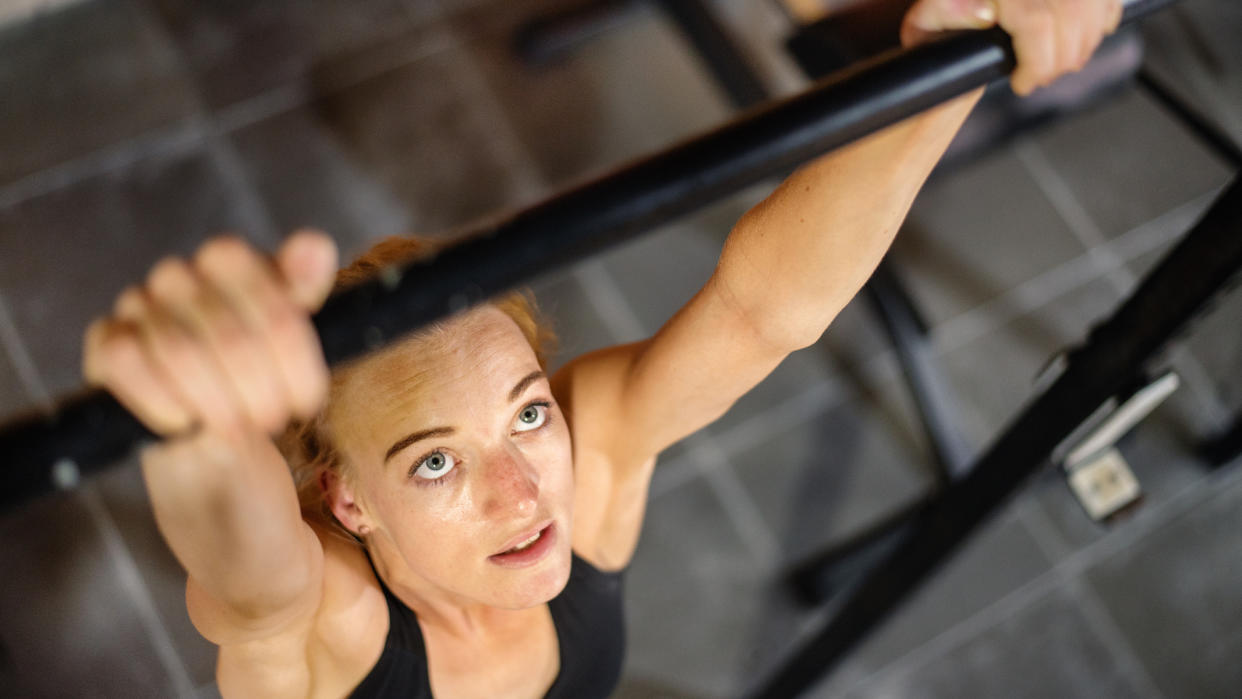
(517, 155)
(219, 147)
(671, 475)
(790, 413)
(760, 541)
(1060, 280)
(131, 578)
(1208, 93)
(953, 333)
(1123, 281)
(609, 301)
(289, 96)
(183, 134)
(118, 553)
(174, 139)
(250, 203)
(1105, 627)
(1184, 502)
(1098, 619)
(27, 372)
(219, 150)
(1047, 539)
(265, 105)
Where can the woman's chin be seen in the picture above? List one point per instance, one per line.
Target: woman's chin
(531, 588)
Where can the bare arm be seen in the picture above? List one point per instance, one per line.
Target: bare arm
(789, 266)
(228, 510)
(793, 261)
(221, 347)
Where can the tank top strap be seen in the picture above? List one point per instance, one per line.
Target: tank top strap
(590, 628)
(402, 668)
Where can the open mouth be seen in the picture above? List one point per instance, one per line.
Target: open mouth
(527, 551)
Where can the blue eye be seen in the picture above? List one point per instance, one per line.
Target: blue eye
(532, 417)
(435, 465)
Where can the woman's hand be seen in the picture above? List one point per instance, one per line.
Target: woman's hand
(222, 341)
(1050, 37)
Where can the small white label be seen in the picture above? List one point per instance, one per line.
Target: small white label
(1104, 484)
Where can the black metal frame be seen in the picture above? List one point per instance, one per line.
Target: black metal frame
(1201, 126)
(1206, 263)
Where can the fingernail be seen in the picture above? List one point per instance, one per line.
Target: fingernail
(986, 12)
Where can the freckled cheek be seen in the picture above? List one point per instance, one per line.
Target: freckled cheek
(437, 524)
(459, 508)
(556, 469)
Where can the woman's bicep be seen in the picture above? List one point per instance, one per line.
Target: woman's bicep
(696, 367)
(648, 395)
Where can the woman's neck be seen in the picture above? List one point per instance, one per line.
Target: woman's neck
(443, 611)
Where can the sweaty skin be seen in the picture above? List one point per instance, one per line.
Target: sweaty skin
(217, 354)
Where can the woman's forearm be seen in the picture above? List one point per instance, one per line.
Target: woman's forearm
(795, 259)
(229, 511)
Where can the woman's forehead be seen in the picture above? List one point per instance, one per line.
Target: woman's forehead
(471, 360)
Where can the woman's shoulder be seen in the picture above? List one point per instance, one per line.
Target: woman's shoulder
(323, 650)
(589, 389)
(352, 596)
(351, 624)
(610, 480)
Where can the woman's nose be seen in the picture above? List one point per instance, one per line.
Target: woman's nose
(514, 483)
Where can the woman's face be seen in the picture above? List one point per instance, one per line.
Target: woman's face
(460, 458)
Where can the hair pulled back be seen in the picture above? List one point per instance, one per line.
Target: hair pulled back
(308, 446)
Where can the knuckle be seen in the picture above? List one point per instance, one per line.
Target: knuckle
(168, 275)
(1034, 18)
(312, 391)
(274, 420)
(129, 303)
(287, 328)
(169, 420)
(176, 350)
(119, 354)
(223, 254)
(232, 341)
(1044, 20)
(221, 415)
(264, 406)
(93, 334)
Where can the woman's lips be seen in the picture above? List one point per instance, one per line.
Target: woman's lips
(530, 555)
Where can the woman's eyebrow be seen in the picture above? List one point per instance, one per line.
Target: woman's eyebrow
(406, 441)
(417, 436)
(525, 383)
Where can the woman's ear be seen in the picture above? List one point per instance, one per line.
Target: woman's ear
(344, 503)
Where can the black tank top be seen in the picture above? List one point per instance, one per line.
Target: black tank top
(590, 628)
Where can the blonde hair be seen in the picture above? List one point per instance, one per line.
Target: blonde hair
(308, 446)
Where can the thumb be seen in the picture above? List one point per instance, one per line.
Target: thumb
(930, 17)
(308, 261)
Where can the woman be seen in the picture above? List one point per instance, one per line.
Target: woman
(456, 519)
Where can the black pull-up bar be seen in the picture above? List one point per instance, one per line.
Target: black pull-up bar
(86, 433)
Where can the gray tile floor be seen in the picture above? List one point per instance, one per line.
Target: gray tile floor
(132, 129)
